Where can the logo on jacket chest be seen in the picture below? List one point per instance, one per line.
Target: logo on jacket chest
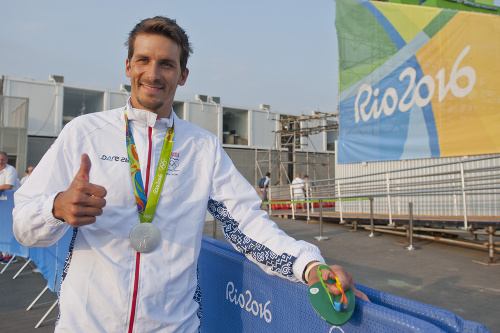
(173, 164)
(114, 158)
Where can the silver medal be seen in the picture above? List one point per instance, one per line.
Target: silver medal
(145, 237)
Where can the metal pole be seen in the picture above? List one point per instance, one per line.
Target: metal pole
(389, 199)
(371, 219)
(37, 298)
(24, 266)
(313, 195)
(269, 198)
(214, 228)
(270, 162)
(307, 156)
(314, 170)
(307, 200)
(46, 314)
(491, 244)
(294, 160)
(291, 202)
(8, 264)
(256, 167)
(399, 204)
(463, 195)
(410, 247)
(320, 237)
(455, 203)
(340, 203)
(432, 238)
(329, 164)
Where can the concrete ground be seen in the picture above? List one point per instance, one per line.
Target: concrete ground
(17, 295)
(438, 274)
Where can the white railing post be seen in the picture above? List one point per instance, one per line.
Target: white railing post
(313, 195)
(372, 223)
(455, 202)
(340, 202)
(463, 195)
(307, 200)
(389, 199)
(24, 266)
(8, 264)
(269, 199)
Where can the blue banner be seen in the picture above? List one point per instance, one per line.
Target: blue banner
(8, 242)
(406, 92)
(49, 260)
(239, 297)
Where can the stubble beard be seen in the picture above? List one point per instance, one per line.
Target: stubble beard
(150, 104)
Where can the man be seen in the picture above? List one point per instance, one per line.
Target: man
(8, 174)
(27, 174)
(263, 187)
(298, 186)
(309, 186)
(121, 274)
(8, 181)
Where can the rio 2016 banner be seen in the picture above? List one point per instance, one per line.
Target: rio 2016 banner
(416, 82)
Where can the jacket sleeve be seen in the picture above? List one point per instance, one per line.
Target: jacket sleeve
(234, 202)
(34, 223)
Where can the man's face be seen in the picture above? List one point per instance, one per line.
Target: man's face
(155, 72)
(3, 161)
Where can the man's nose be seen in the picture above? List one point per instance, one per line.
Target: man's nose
(153, 71)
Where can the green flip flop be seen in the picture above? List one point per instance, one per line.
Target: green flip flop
(335, 310)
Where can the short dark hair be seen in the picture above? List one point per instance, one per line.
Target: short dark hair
(160, 25)
(268, 174)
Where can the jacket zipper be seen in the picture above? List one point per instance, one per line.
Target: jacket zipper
(138, 256)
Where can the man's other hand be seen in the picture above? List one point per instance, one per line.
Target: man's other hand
(345, 279)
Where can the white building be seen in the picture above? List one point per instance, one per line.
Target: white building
(247, 134)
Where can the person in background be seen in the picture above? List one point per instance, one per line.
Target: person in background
(8, 181)
(309, 186)
(298, 187)
(27, 174)
(263, 187)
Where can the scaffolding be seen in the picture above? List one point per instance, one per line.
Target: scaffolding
(294, 136)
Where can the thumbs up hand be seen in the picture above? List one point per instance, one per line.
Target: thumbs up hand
(82, 201)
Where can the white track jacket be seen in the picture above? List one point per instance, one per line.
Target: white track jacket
(107, 286)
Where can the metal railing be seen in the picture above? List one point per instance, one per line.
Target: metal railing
(460, 189)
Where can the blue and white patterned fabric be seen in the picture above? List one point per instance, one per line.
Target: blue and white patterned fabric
(279, 263)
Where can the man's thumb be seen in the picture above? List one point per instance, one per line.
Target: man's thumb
(84, 171)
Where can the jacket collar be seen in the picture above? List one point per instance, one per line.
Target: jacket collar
(149, 118)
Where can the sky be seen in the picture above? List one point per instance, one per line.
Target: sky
(281, 52)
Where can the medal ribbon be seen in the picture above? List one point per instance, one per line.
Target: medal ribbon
(145, 207)
(338, 306)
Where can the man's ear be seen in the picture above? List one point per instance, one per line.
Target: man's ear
(127, 67)
(183, 77)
